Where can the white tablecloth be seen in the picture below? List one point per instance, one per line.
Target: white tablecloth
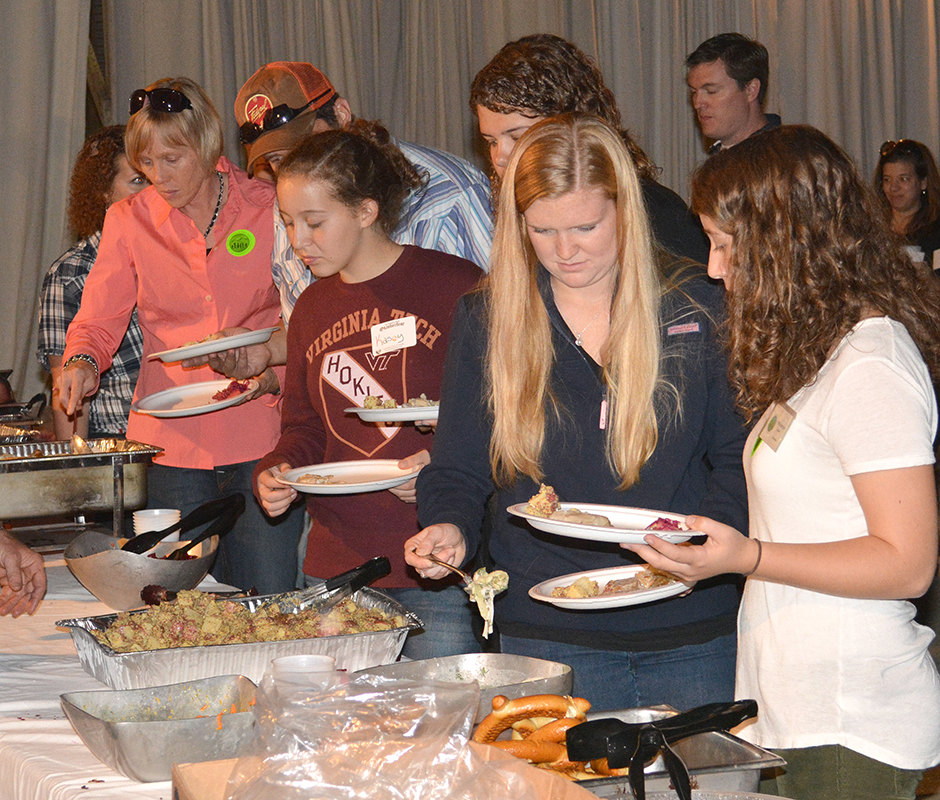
(41, 757)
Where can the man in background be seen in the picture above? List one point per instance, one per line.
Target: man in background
(727, 78)
(286, 100)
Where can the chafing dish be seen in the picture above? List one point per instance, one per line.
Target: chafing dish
(46, 478)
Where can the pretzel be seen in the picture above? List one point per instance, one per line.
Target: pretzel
(536, 752)
(554, 731)
(506, 712)
(601, 767)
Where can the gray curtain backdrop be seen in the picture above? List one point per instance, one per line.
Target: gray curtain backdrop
(861, 70)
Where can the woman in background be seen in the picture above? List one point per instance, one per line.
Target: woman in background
(102, 175)
(834, 340)
(578, 366)
(908, 185)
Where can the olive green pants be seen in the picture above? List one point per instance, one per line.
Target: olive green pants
(832, 772)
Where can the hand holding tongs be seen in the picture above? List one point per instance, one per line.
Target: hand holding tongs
(633, 744)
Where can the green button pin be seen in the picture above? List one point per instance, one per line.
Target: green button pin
(240, 243)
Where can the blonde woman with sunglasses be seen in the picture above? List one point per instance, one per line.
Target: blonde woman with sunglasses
(192, 252)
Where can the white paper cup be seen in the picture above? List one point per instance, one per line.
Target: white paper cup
(157, 519)
(305, 670)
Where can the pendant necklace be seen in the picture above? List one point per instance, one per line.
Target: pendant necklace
(218, 205)
(577, 339)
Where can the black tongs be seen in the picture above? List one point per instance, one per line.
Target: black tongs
(634, 744)
(230, 505)
(326, 594)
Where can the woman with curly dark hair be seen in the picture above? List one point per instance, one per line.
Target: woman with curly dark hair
(101, 176)
(541, 76)
(908, 185)
(835, 345)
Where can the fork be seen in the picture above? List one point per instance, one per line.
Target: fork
(431, 557)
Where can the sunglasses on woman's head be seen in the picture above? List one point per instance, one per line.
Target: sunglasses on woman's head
(274, 118)
(901, 147)
(169, 100)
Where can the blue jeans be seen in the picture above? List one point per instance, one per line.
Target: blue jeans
(258, 552)
(684, 678)
(447, 615)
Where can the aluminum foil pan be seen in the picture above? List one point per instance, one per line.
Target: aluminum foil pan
(11, 434)
(173, 665)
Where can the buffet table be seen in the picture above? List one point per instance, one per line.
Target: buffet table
(41, 757)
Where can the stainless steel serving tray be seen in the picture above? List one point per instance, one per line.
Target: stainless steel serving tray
(173, 665)
(715, 760)
(142, 733)
(497, 673)
(46, 478)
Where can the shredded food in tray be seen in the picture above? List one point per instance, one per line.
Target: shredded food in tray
(421, 401)
(196, 619)
(647, 578)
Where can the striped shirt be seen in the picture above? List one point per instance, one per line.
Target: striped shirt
(61, 296)
(451, 212)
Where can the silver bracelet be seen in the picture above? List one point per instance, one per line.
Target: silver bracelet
(82, 357)
(760, 552)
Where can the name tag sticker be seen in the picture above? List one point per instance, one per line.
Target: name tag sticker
(778, 423)
(393, 335)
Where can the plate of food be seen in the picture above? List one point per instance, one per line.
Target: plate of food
(214, 344)
(600, 523)
(347, 477)
(613, 587)
(380, 409)
(194, 398)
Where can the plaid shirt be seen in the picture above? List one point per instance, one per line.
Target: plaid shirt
(450, 213)
(61, 296)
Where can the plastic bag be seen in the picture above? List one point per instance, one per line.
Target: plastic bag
(373, 737)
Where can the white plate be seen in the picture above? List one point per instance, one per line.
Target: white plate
(628, 524)
(543, 590)
(189, 400)
(371, 475)
(214, 345)
(401, 414)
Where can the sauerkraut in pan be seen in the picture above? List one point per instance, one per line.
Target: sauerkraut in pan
(196, 619)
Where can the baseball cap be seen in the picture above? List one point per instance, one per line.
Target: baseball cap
(276, 106)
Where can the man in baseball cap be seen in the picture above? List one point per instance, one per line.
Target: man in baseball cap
(286, 100)
(279, 105)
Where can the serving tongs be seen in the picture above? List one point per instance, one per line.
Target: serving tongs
(222, 525)
(326, 594)
(224, 509)
(634, 744)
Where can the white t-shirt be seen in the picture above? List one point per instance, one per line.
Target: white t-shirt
(835, 670)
